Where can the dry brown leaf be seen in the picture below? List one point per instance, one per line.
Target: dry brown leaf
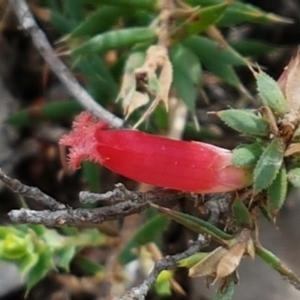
(292, 149)
(137, 100)
(209, 264)
(230, 261)
(289, 83)
(250, 247)
(165, 80)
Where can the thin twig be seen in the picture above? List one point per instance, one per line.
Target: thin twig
(42, 44)
(122, 203)
(168, 263)
(31, 192)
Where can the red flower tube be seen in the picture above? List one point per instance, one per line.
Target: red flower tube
(159, 161)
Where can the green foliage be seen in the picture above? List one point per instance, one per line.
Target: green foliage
(196, 224)
(270, 93)
(268, 165)
(244, 121)
(227, 291)
(294, 177)
(247, 155)
(187, 74)
(96, 30)
(116, 39)
(147, 233)
(37, 250)
(240, 213)
(277, 192)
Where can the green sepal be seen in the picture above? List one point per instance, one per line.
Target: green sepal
(247, 155)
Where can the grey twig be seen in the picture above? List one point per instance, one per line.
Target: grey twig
(42, 44)
(120, 193)
(217, 204)
(122, 203)
(168, 263)
(32, 192)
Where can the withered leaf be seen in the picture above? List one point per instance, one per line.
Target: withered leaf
(230, 261)
(209, 264)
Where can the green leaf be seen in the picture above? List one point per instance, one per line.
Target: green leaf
(13, 247)
(91, 174)
(56, 110)
(101, 82)
(241, 213)
(239, 12)
(227, 74)
(247, 155)
(60, 23)
(277, 192)
(73, 9)
(227, 291)
(192, 260)
(266, 213)
(145, 234)
(269, 164)
(210, 51)
(28, 262)
(65, 256)
(90, 268)
(186, 74)
(270, 93)
(207, 16)
(245, 122)
(40, 269)
(249, 47)
(151, 5)
(99, 21)
(195, 224)
(162, 285)
(115, 39)
(294, 177)
(275, 263)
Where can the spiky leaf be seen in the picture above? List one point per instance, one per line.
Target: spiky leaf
(270, 93)
(277, 192)
(241, 213)
(269, 164)
(294, 177)
(244, 121)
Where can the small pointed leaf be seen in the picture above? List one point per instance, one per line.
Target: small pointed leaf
(227, 292)
(244, 121)
(294, 177)
(186, 74)
(192, 260)
(115, 39)
(270, 93)
(208, 16)
(241, 213)
(195, 224)
(277, 192)
(269, 164)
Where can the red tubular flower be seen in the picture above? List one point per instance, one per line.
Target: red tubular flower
(159, 161)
